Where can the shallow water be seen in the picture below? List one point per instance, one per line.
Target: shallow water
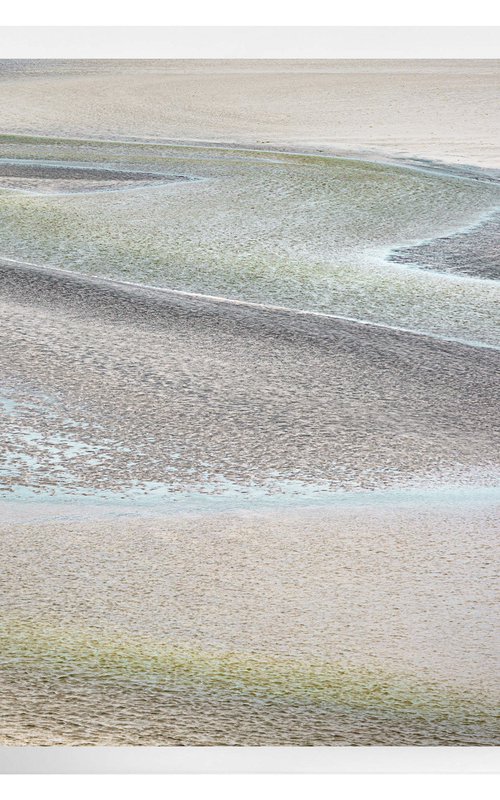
(303, 232)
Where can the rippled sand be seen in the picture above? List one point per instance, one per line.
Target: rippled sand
(350, 625)
(249, 403)
(113, 385)
(472, 252)
(347, 626)
(303, 232)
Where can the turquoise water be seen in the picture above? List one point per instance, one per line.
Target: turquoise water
(226, 497)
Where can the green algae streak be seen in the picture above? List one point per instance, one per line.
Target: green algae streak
(52, 649)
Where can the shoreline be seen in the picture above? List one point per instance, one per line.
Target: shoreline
(488, 173)
(163, 503)
(96, 281)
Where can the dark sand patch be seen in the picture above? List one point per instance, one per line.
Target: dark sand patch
(474, 252)
(162, 387)
(56, 179)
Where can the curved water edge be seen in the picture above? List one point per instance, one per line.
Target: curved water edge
(435, 167)
(471, 252)
(40, 178)
(227, 238)
(98, 280)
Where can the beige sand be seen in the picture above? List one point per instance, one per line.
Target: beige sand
(445, 110)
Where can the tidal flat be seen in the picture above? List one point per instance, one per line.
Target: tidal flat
(249, 408)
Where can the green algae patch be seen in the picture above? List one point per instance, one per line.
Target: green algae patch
(64, 653)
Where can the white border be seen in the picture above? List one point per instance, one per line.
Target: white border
(267, 760)
(250, 42)
(258, 12)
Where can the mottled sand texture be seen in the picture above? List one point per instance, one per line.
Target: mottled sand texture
(249, 382)
(343, 626)
(117, 384)
(446, 110)
(351, 626)
(47, 178)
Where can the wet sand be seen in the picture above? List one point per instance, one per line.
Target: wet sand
(114, 385)
(473, 252)
(61, 179)
(347, 626)
(368, 622)
(304, 232)
(249, 403)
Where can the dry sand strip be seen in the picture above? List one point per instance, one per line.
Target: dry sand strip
(438, 109)
(158, 387)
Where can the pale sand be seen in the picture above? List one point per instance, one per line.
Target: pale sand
(446, 110)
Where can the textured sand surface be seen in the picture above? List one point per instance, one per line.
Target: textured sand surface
(347, 626)
(249, 403)
(446, 110)
(350, 625)
(473, 252)
(47, 178)
(304, 232)
(114, 384)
